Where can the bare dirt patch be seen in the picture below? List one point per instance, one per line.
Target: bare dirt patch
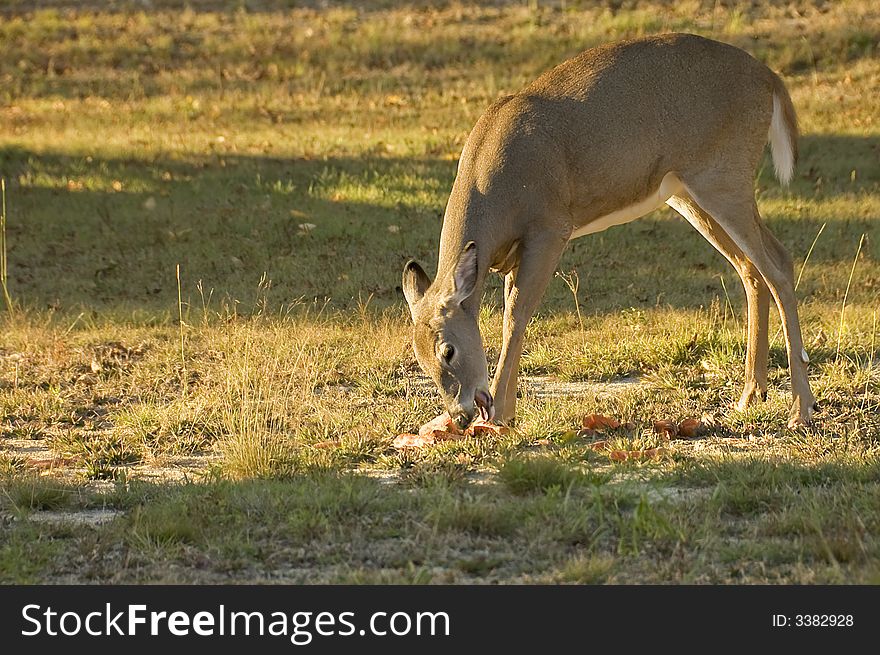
(548, 387)
(87, 517)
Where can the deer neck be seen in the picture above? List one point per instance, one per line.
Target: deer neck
(452, 243)
(459, 229)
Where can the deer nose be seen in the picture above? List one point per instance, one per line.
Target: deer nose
(461, 419)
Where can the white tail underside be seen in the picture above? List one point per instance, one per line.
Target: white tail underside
(780, 144)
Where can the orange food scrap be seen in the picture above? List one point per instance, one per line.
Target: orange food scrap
(443, 428)
(599, 422)
(690, 428)
(480, 426)
(442, 423)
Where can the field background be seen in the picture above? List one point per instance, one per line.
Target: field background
(209, 206)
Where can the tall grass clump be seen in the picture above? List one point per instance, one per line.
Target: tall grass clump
(268, 393)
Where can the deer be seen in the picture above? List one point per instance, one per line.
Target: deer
(602, 139)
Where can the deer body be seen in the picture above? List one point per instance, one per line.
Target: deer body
(601, 140)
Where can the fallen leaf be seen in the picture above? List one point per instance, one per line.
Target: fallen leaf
(599, 422)
(690, 428)
(542, 442)
(599, 445)
(667, 429)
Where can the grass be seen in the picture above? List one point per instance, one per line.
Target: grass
(4, 273)
(208, 211)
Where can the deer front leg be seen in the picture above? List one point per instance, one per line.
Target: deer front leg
(524, 287)
(503, 389)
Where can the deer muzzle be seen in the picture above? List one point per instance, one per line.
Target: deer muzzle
(482, 406)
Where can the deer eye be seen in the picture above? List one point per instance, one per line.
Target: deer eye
(446, 352)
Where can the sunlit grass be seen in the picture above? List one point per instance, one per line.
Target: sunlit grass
(151, 151)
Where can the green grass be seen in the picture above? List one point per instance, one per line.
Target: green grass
(243, 429)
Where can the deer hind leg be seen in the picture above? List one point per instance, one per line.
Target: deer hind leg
(733, 208)
(524, 287)
(757, 296)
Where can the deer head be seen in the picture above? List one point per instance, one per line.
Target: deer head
(446, 336)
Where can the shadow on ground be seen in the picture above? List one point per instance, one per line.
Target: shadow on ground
(94, 233)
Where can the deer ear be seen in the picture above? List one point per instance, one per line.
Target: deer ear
(464, 278)
(415, 283)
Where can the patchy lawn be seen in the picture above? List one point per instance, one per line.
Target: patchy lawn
(233, 423)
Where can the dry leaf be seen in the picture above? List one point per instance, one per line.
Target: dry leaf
(599, 422)
(667, 429)
(690, 428)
